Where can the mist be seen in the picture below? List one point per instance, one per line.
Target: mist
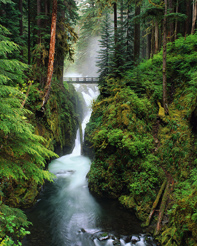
(85, 66)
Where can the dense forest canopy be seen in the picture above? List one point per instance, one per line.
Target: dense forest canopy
(29, 134)
(143, 127)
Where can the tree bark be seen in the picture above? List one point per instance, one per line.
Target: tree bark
(59, 57)
(128, 19)
(115, 35)
(194, 16)
(165, 104)
(176, 22)
(143, 51)
(137, 34)
(46, 7)
(162, 208)
(21, 20)
(29, 34)
(172, 22)
(148, 48)
(188, 20)
(46, 11)
(156, 202)
(38, 20)
(115, 23)
(156, 37)
(152, 40)
(51, 54)
(21, 17)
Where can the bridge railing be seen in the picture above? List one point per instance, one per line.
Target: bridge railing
(82, 80)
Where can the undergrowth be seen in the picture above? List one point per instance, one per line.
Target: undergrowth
(132, 158)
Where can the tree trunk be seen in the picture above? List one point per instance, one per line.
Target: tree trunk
(59, 61)
(137, 34)
(38, 20)
(21, 21)
(29, 34)
(115, 23)
(176, 22)
(129, 33)
(51, 54)
(143, 51)
(121, 13)
(162, 208)
(172, 22)
(46, 11)
(152, 40)
(115, 35)
(21, 17)
(128, 20)
(188, 20)
(156, 202)
(194, 16)
(165, 104)
(46, 7)
(148, 48)
(156, 37)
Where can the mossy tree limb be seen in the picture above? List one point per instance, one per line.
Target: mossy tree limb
(162, 207)
(156, 202)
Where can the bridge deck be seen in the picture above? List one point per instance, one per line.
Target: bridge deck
(82, 80)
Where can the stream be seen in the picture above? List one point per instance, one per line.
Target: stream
(66, 214)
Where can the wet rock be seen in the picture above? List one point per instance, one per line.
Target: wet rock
(135, 239)
(82, 230)
(103, 237)
(116, 242)
(149, 241)
(126, 239)
(65, 172)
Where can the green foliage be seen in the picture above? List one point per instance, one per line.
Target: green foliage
(105, 51)
(119, 127)
(27, 135)
(61, 117)
(22, 152)
(136, 145)
(183, 213)
(12, 226)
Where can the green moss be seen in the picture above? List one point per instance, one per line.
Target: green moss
(128, 201)
(137, 146)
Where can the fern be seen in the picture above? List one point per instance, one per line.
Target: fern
(22, 153)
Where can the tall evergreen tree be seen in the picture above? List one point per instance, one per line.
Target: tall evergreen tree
(105, 53)
(22, 154)
(51, 54)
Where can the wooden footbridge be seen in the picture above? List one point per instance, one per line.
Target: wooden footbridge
(82, 80)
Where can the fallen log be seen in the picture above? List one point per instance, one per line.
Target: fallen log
(162, 208)
(156, 202)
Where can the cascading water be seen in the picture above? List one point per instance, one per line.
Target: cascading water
(68, 215)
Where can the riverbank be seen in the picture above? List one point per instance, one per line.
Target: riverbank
(137, 147)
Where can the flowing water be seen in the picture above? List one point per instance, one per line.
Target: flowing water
(68, 215)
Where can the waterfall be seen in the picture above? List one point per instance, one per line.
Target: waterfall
(89, 93)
